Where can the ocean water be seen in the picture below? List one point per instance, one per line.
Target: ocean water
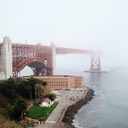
(109, 107)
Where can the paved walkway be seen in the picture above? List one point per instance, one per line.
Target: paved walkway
(64, 99)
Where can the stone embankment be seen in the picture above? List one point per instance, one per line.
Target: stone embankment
(72, 109)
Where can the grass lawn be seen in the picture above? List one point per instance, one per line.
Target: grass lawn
(37, 112)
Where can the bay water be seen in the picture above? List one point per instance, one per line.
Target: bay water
(109, 107)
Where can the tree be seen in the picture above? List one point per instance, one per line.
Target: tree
(44, 83)
(25, 87)
(19, 106)
(9, 88)
(51, 96)
(36, 86)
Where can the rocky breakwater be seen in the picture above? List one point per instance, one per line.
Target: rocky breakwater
(73, 108)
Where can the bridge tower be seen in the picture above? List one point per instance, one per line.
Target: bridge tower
(95, 62)
(6, 57)
(49, 62)
(53, 58)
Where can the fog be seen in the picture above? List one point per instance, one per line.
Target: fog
(87, 24)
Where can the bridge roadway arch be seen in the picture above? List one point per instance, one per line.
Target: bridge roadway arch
(39, 58)
(38, 66)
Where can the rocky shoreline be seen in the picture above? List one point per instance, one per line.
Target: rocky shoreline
(73, 108)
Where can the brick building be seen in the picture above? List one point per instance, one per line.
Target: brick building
(63, 81)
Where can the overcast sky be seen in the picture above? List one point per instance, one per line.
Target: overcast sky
(87, 24)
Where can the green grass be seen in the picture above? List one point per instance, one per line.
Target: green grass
(37, 112)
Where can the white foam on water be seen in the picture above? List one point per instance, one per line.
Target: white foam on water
(76, 124)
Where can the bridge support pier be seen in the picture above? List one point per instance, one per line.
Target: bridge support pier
(39, 71)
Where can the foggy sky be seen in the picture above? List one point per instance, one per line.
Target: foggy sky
(88, 24)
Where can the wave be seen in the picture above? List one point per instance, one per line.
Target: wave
(76, 124)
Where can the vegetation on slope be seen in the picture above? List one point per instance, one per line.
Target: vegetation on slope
(14, 95)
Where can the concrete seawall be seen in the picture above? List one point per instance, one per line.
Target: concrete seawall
(69, 112)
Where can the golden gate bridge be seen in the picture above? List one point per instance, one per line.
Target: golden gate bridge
(40, 58)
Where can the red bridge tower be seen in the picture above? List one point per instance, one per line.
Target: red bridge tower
(95, 63)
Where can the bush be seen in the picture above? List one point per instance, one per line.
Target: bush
(5, 123)
(51, 96)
